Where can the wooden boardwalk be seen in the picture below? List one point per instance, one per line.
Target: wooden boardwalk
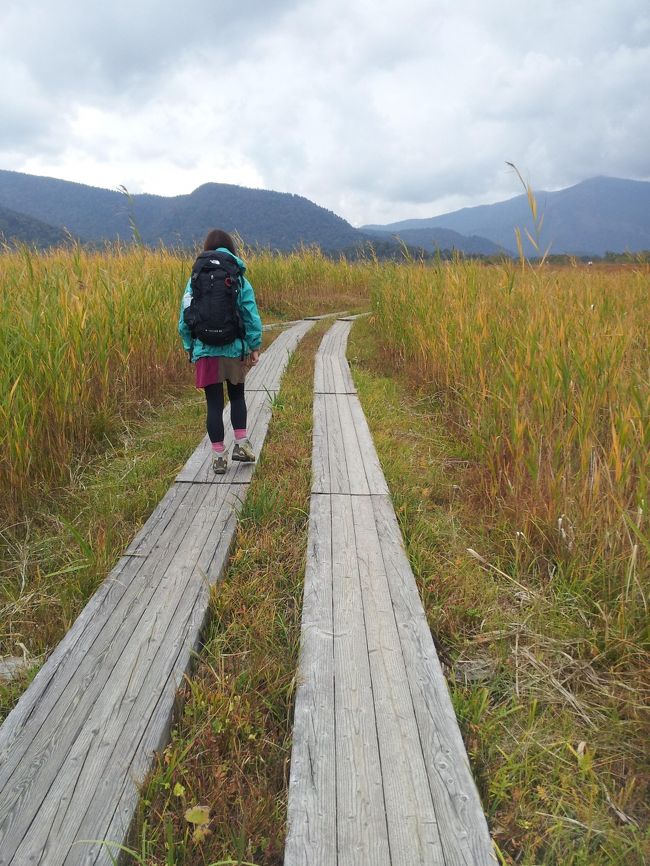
(379, 772)
(82, 737)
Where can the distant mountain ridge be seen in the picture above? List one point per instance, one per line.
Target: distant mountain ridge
(20, 228)
(599, 215)
(279, 220)
(591, 218)
(437, 239)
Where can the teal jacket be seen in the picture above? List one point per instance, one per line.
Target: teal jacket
(249, 314)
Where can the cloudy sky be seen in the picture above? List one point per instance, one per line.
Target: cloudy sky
(377, 110)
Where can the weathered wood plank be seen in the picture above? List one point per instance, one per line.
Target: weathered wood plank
(144, 688)
(278, 353)
(311, 835)
(375, 478)
(463, 828)
(68, 768)
(347, 450)
(343, 383)
(320, 452)
(344, 459)
(272, 326)
(360, 808)
(332, 453)
(412, 826)
(331, 370)
(105, 597)
(122, 592)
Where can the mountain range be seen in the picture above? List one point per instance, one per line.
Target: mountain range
(598, 215)
(591, 218)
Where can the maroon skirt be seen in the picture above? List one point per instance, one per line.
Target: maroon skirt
(209, 371)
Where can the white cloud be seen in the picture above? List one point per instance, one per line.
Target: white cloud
(376, 112)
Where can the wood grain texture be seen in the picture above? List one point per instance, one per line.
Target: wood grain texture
(412, 824)
(86, 738)
(360, 807)
(463, 828)
(332, 372)
(344, 459)
(311, 834)
(125, 589)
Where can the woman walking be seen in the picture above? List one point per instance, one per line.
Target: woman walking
(219, 304)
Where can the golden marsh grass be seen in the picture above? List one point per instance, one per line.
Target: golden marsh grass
(86, 336)
(546, 373)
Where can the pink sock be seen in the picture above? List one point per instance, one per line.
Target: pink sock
(240, 434)
(218, 447)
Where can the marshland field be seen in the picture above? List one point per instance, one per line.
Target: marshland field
(510, 405)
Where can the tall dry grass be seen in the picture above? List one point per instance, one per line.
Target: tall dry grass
(307, 283)
(546, 375)
(86, 336)
(83, 336)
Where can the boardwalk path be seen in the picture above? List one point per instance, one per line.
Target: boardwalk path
(82, 736)
(379, 772)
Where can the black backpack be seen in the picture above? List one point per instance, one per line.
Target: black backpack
(213, 315)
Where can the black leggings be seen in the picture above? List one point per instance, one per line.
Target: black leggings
(214, 399)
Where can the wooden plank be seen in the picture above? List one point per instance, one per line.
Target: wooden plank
(94, 744)
(123, 590)
(343, 383)
(31, 778)
(311, 835)
(329, 471)
(331, 371)
(72, 748)
(360, 809)
(320, 451)
(322, 378)
(375, 478)
(412, 827)
(463, 828)
(104, 599)
(324, 316)
(272, 326)
(320, 386)
(164, 658)
(346, 450)
(344, 459)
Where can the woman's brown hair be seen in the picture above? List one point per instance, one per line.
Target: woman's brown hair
(216, 238)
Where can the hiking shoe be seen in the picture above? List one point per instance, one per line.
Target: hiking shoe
(243, 452)
(220, 464)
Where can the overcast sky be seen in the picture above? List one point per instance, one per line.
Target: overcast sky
(377, 110)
